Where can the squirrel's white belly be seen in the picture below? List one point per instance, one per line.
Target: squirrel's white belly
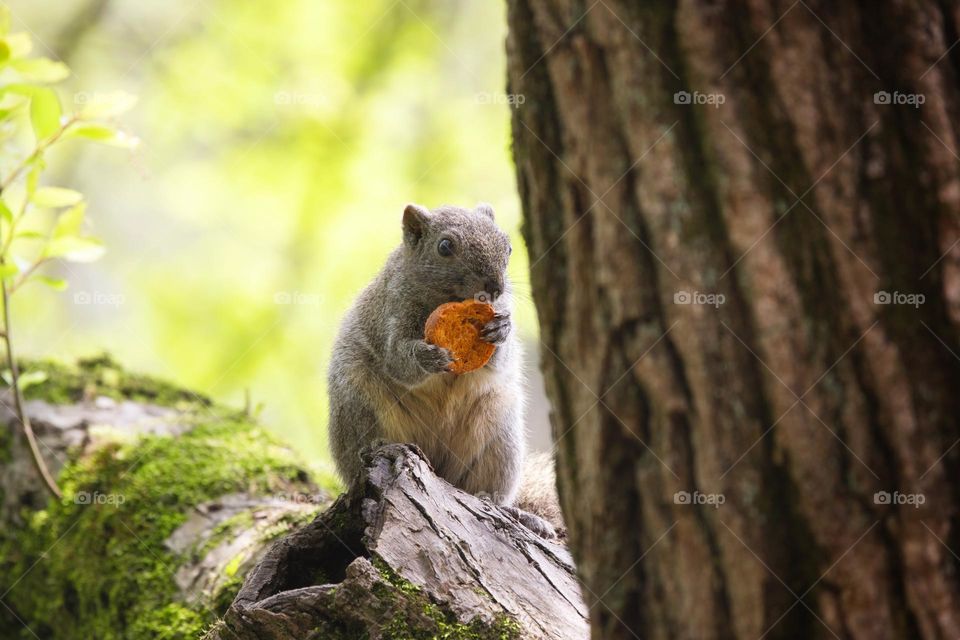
(450, 417)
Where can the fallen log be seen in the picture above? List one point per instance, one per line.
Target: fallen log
(406, 555)
(169, 500)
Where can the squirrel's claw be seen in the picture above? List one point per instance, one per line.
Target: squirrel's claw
(434, 359)
(497, 330)
(533, 522)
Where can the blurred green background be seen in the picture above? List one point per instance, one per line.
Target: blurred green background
(280, 142)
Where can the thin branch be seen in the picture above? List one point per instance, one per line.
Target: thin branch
(37, 152)
(22, 277)
(38, 461)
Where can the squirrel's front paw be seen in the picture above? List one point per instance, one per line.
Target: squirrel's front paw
(497, 330)
(433, 359)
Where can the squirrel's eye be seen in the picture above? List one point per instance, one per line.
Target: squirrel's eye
(445, 248)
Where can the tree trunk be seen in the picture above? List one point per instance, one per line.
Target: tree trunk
(746, 266)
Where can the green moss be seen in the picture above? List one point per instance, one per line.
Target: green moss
(224, 597)
(436, 623)
(101, 376)
(94, 564)
(287, 523)
(169, 622)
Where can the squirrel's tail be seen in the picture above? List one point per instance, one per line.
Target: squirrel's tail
(538, 491)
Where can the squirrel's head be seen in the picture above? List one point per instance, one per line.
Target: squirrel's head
(458, 253)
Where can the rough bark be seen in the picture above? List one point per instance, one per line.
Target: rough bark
(798, 398)
(406, 555)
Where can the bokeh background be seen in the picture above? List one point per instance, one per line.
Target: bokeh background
(280, 142)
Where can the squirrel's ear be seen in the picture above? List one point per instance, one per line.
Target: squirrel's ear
(486, 209)
(415, 219)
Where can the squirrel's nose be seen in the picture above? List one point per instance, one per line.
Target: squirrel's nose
(493, 287)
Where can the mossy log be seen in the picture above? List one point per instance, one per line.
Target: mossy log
(170, 500)
(405, 555)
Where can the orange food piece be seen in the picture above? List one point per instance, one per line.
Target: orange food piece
(456, 326)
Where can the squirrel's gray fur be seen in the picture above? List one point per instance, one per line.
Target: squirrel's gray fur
(386, 384)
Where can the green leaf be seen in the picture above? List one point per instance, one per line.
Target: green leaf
(45, 113)
(104, 105)
(4, 51)
(74, 249)
(5, 212)
(8, 269)
(30, 378)
(30, 235)
(91, 131)
(57, 284)
(102, 133)
(42, 70)
(69, 222)
(10, 101)
(20, 44)
(53, 197)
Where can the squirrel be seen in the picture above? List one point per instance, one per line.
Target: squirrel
(387, 384)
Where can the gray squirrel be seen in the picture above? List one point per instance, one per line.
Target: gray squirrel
(386, 384)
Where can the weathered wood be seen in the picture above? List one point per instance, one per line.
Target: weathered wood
(400, 539)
